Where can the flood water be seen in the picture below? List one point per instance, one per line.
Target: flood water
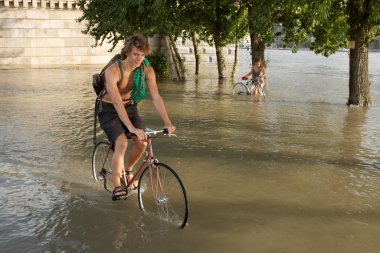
(298, 172)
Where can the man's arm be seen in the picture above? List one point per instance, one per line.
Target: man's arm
(157, 99)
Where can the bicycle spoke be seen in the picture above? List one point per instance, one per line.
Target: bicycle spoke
(101, 164)
(164, 195)
(240, 89)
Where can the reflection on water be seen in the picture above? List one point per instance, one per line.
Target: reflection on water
(298, 172)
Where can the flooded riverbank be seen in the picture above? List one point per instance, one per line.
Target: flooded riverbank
(298, 172)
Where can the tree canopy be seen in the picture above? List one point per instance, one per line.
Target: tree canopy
(327, 22)
(336, 24)
(330, 24)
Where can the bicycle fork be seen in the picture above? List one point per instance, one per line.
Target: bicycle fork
(155, 183)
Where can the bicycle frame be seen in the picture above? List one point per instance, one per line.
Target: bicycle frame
(150, 161)
(255, 84)
(105, 159)
(169, 204)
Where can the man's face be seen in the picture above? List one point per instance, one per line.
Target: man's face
(136, 57)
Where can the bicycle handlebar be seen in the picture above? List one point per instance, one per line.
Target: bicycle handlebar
(253, 80)
(153, 133)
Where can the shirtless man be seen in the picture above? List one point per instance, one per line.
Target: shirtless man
(119, 114)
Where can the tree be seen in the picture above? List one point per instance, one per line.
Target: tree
(199, 20)
(164, 11)
(336, 24)
(116, 20)
(215, 22)
(239, 31)
(363, 19)
(227, 27)
(262, 19)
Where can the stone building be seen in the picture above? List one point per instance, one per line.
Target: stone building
(45, 33)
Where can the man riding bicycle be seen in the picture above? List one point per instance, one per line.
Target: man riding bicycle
(119, 114)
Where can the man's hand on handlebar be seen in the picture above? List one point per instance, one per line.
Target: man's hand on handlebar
(140, 134)
(170, 129)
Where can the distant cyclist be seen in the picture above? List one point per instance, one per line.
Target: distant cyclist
(257, 71)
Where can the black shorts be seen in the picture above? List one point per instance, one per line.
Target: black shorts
(111, 123)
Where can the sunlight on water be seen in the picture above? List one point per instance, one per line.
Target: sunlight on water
(298, 172)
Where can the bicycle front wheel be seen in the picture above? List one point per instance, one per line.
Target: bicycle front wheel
(161, 194)
(261, 91)
(101, 164)
(240, 89)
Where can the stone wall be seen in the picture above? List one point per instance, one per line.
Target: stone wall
(44, 33)
(207, 52)
(38, 33)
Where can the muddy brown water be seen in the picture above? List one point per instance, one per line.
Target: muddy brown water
(298, 172)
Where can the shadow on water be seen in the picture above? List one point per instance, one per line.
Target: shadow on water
(297, 172)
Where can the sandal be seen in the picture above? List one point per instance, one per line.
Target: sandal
(118, 193)
(133, 186)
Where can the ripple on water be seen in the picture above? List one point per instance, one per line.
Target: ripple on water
(299, 157)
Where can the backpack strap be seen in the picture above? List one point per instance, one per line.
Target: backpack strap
(97, 101)
(120, 72)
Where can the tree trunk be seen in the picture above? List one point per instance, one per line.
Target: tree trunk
(219, 55)
(257, 49)
(196, 53)
(257, 44)
(359, 85)
(176, 66)
(235, 61)
(172, 65)
(178, 60)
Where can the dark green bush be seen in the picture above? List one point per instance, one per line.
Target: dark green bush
(160, 64)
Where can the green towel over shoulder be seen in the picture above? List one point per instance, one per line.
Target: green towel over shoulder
(138, 93)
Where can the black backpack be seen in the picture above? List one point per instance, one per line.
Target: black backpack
(98, 78)
(98, 81)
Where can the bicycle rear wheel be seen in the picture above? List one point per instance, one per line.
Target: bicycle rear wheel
(240, 89)
(161, 194)
(101, 164)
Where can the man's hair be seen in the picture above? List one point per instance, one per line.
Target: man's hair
(136, 40)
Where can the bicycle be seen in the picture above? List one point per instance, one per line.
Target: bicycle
(160, 191)
(249, 87)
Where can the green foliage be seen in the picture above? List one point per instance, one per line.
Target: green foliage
(159, 62)
(263, 19)
(115, 20)
(326, 21)
(209, 18)
(323, 20)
